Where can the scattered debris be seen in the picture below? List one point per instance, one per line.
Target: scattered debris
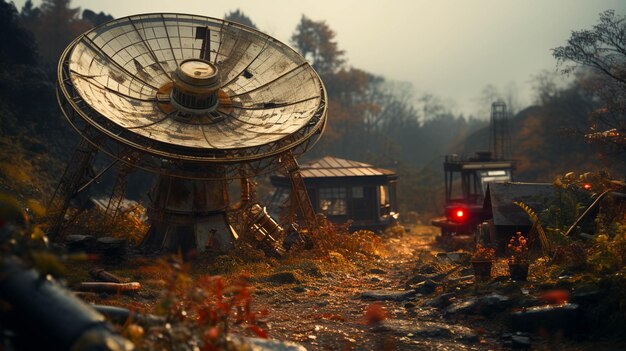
(419, 329)
(457, 257)
(104, 276)
(256, 344)
(109, 245)
(388, 295)
(283, 278)
(426, 287)
(551, 318)
(80, 242)
(117, 288)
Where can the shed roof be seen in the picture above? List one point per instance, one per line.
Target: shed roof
(500, 197)
(337, 167)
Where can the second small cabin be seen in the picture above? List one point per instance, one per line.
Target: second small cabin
(343, 190)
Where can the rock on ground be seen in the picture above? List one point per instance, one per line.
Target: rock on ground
(420, 329)
(388, 295)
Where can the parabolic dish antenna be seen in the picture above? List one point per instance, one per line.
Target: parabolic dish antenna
(196, 100)
(172, 88)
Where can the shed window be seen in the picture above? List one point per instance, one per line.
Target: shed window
(333, 201)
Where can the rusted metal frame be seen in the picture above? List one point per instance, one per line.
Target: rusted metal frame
(272, 81)
(180, 40)
(204, 135)
(145, 43)
(104, 87)
(265, 45)
(246, 153)
(155, 122)
(298, 190)
(219, 46)
(97, 176)
(95, 47)
(277, 105)
(169, 40)
(154, 164)
(68, 186)
(117, 195)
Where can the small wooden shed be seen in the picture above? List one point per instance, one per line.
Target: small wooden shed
(344, 190)
(505, 217)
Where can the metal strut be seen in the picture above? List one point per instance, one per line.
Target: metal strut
(117, 195)
(76, 170)
(299, 195)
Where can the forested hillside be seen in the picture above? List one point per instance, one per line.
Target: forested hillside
(543, 141)
(371, 119)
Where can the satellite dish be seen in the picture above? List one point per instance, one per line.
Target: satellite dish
(197, 100)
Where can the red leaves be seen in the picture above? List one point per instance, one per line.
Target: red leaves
(556, 297)
(258, 331)
(222, 304)
(375, 313)
(210, 306)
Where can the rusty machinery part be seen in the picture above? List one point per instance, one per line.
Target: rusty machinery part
(248, 186)
(189, 92)
(265, 231)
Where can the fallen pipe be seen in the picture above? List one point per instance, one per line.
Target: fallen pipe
(104, 276)
(45, 316)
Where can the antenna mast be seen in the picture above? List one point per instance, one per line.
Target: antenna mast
(499, 137)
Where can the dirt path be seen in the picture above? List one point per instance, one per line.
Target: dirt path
(328, 312)
(321, 305)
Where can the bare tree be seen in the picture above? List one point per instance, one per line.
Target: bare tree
(602, 52)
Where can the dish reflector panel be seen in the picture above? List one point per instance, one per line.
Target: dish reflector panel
(270, 99)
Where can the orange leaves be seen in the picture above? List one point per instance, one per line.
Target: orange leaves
(375, 313)
(206, 307)
(484, 253)
(518, 247)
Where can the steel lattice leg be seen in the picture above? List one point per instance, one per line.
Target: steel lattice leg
(117, 195)
(300, 196)
(71, 180)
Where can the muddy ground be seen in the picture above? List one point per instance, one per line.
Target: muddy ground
(328, 313)
(338, 304)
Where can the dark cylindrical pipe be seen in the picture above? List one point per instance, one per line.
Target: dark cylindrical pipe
(45, 316)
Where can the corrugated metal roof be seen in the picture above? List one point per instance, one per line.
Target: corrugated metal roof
(500, 197)
(337, 167)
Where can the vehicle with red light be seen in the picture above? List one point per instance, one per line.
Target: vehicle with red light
(466, 182)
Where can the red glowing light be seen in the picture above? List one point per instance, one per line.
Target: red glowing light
(587, 186)
(460, 214)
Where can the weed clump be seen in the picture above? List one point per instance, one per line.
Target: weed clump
(200, 313)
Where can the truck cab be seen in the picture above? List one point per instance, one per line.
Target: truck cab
(465, 185)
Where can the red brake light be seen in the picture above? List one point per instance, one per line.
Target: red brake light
(459, 214)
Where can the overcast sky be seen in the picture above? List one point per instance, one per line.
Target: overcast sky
(452, 49)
